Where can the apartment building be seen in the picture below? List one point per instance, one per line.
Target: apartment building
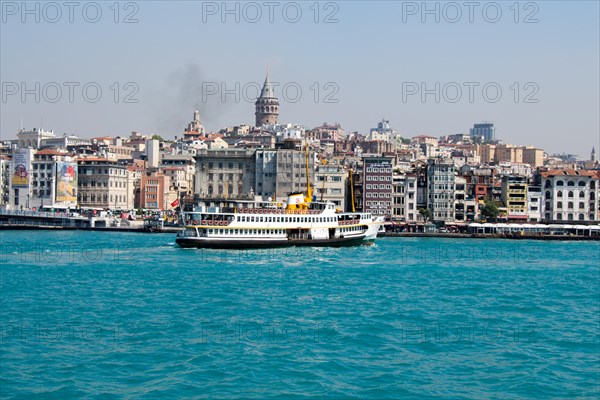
(570, 195)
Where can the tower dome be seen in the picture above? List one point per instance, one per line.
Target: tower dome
(267, 105)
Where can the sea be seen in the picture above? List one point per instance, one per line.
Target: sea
(112, 315)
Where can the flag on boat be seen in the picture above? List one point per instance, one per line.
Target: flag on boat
(175, 203)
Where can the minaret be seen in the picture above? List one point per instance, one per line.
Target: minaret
(593, 155)
(267, 105)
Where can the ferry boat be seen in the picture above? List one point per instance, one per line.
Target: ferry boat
(296, 222)
(299, 221)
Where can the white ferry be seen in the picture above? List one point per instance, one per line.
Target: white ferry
(296, 222)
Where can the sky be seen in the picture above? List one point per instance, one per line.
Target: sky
(110, 68)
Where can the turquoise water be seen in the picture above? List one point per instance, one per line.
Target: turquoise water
(118, 315)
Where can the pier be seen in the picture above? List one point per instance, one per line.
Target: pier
(21, 219)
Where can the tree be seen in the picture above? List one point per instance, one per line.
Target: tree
(490, 210)
(425, 213)
(158, 137)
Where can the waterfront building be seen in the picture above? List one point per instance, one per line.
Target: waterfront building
(377, 190)
(281, 172)
(514, 198)
(330, 185)
(19, 186)
(104, 183)
(404, 196)
(267, 105)
(440, 189)
(181, 169)
(5, 164)
(53, 180)
(570, 195)
(155, 191)
(224, 173)
(460, 199)
(534, 203)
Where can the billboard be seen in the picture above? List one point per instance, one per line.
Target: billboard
(66, 181)
(20, 169)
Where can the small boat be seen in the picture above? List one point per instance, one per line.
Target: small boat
(296, 222)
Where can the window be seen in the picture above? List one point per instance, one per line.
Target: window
(570, 183)
(581, 195)
(559, 194)
(560, 183)
(570, 194)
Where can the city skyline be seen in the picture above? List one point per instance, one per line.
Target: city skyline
(410, 73)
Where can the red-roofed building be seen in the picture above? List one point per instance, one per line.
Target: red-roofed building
(570, 195)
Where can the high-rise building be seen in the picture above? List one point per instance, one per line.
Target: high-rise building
(377, 192)
(267, 105)
(485, 131)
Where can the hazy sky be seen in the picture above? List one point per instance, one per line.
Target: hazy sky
(430, 68)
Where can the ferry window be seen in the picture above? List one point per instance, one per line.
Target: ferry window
(251, 219)
(236, 232)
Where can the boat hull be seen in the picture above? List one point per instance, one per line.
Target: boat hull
(188, 242)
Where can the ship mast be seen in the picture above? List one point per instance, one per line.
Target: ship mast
(309, 193)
